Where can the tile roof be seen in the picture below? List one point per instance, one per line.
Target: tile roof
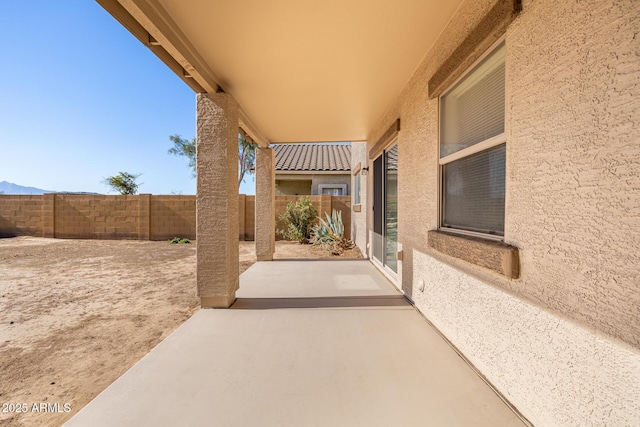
(313, 157)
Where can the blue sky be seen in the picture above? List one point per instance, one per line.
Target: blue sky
(82, 99)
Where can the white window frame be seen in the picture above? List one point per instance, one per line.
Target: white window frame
(357, 186)
(342, 187)
(465, 152)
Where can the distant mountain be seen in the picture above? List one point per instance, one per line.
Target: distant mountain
(11, 188)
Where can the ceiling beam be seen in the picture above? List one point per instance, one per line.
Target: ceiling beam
(130, 23)
(153, 27)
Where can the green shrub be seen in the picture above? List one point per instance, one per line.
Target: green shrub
(330, 234)
(179, 240)
(298, 218)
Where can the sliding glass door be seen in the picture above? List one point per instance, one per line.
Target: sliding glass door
(385, 209)
(391, 208)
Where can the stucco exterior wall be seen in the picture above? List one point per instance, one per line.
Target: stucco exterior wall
(289, 184)
(574, 196)
(562, 341)
(265, 204)
(359, 219)
(556, 372)
(319, 179)
(292, 187)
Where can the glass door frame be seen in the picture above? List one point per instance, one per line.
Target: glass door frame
(379, 252)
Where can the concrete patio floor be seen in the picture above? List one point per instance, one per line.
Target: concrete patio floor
(307, 343)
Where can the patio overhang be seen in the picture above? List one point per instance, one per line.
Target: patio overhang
(300, 71)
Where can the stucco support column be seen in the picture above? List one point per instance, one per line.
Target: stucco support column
(265, 204)
(217, 199)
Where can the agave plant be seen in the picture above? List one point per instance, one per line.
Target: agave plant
(330, 233)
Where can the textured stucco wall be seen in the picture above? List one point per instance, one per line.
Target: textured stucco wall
(265, 204)
(574, 159)
(217, 256)
(286, 187)
(330, 179)
(556, 372)
(359, 219)
(561, 342)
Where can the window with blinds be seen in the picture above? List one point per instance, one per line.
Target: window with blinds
(472, 149)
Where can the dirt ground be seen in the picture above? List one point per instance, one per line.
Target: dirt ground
(76, 314)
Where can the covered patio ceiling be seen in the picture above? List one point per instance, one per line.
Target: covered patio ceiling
(301, 70)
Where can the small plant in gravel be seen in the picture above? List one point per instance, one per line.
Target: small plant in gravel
(179, 240)
(329, 234)
(298, 218)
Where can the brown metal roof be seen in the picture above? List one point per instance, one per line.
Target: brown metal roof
(313, 157)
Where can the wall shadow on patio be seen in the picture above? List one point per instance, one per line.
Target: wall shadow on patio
(318, 259)
(320, 302)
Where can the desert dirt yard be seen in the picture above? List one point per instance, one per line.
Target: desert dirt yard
(77, 314)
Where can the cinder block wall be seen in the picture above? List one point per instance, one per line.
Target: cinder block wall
(95, 217)
(20, 216)
(172, 216)
(250, 218)
(72, 216)
(142, 217)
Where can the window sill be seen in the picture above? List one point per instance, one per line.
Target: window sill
(357, 208)
(495, 256)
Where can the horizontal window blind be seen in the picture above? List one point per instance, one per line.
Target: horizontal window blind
(473, 110)
(473, 192)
